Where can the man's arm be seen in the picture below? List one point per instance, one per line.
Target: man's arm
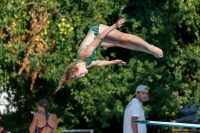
(134, 126)
(105, 63)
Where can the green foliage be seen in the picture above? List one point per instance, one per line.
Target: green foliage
(39, 39)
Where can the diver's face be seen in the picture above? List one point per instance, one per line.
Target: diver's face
(82, 70)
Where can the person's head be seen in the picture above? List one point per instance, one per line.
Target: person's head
(82, 70)
(74, 70)
(141, 93)
(43, 107)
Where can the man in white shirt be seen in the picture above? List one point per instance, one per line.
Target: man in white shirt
(134, 111)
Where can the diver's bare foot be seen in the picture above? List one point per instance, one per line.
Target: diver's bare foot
(157, 52)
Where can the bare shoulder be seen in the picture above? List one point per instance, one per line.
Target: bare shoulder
(37, 114)
(54, 116)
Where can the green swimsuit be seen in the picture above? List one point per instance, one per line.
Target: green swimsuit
(88, 60)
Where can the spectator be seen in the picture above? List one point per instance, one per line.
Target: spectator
(43, 121)
(134, 111)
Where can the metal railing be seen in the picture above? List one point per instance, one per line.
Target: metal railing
(79, 131)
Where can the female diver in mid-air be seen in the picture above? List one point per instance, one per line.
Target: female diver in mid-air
(106, 36)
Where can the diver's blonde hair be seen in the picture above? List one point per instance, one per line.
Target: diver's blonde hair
(69, 76)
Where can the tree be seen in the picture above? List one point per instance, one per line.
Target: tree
(39, 39)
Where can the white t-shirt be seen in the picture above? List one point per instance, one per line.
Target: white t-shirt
(134, 108)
